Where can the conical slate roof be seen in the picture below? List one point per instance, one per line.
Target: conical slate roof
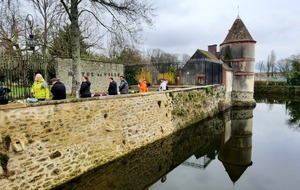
(238, 33)
(234, 171)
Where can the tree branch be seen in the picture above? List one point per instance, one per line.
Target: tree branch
(66, 7)
(98, 20)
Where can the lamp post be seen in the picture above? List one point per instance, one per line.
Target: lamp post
(29, 45)
(29, 37)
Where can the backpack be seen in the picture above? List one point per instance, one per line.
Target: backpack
(2, 92)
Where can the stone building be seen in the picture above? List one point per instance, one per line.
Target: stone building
(233, 66)
(238, 52)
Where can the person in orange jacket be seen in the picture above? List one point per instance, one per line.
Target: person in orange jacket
(143, 86)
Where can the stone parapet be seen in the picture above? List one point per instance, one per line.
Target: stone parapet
(55, 141)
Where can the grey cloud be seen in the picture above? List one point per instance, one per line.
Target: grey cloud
(184, 26)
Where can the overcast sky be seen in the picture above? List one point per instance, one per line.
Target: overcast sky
(187, 25)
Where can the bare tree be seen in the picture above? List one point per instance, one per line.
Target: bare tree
(163, 61)
(185, 58)
(126, 16)
(10, 26)
(271, 66)
(273, 62)
(159, 56)
(50, 12)
(284, 66)
(260, 66)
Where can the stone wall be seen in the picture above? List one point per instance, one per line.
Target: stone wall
(98, 73)
(55, 141)
(140, 169)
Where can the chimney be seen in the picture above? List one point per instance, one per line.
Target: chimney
(213, 49)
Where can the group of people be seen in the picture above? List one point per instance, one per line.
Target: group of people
(123, 88)
(40, 89)
(41, 92)
(144, 85)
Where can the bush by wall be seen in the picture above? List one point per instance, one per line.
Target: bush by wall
(275, 88)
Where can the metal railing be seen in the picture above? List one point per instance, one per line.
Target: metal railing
(17, 73)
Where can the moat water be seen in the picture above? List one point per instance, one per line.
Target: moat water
(239, 149)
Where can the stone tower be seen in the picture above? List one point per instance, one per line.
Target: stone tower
(238, 51)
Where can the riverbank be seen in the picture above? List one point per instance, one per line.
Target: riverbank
(272, 88)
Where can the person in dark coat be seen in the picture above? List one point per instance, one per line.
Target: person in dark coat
(3, 94)
(123, 88)
(112, 88)
(85, 88)
(58, 89)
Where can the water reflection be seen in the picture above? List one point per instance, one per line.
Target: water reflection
(227, 135)
(213, 154)
(236, 152)
(292, 108)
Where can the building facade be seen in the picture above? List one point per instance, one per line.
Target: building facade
(203, 68)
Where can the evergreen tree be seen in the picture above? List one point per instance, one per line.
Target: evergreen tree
(294, 76)
(61, 46)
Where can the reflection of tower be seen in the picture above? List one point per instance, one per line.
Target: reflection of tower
(236, 153)
(238, 51)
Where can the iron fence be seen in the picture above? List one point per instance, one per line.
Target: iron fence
(17, 73)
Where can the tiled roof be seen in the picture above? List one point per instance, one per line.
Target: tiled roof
(238, 33)
(201, 54)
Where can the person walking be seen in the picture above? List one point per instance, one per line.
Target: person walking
(58, 89)
(123, 88)
(85, 88)
(40, 89)
(112, 88)
(143, 86)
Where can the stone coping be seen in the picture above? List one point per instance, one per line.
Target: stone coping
(54, 102)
